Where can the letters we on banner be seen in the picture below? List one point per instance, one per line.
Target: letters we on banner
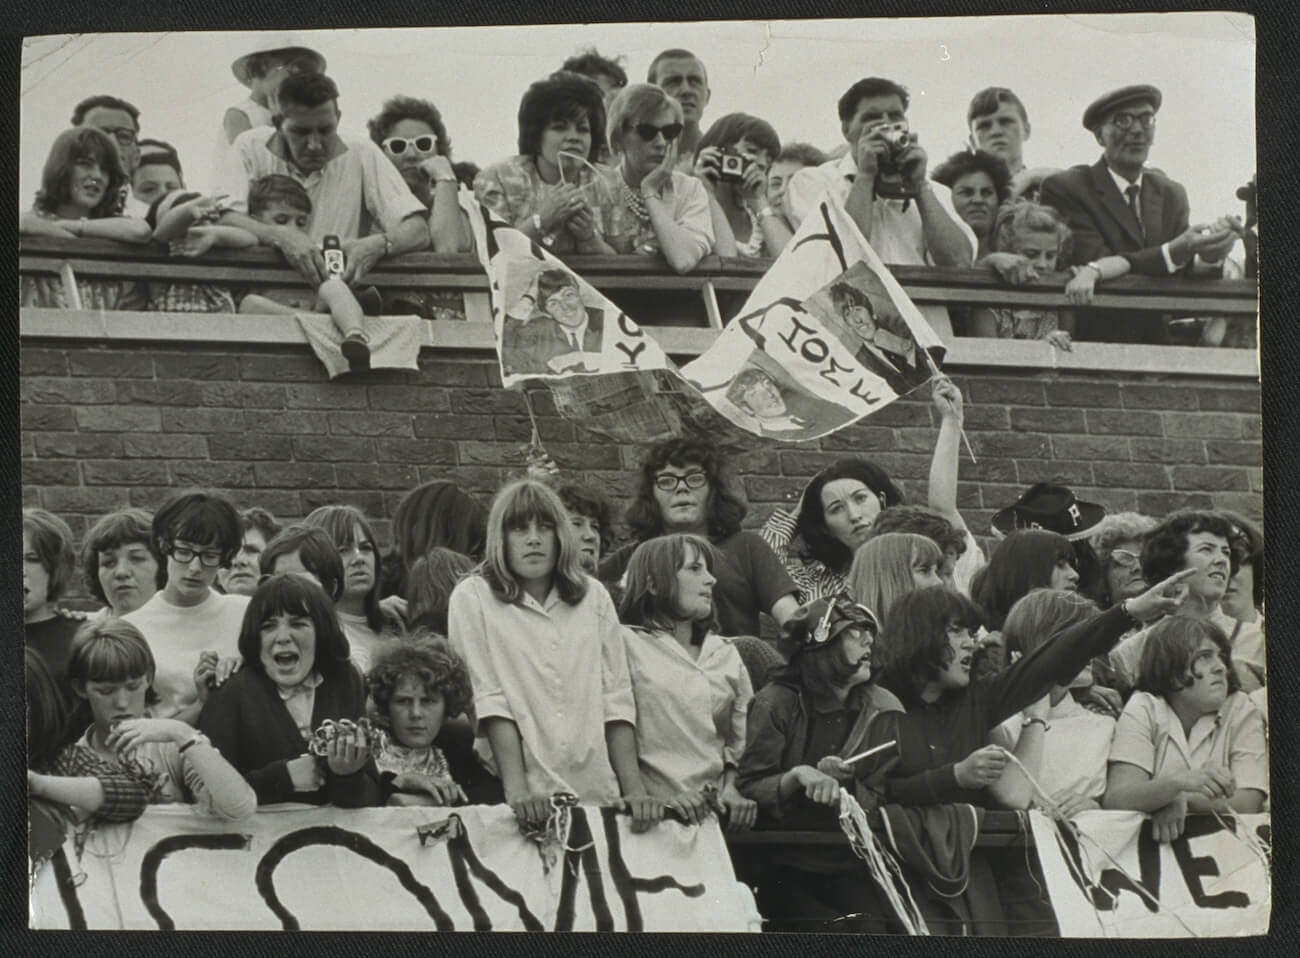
(295, 868)
(1115, 880)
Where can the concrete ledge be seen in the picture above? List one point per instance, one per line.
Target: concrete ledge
(90, 326)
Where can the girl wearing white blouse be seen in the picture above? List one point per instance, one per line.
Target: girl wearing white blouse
(552, 698)
(691, 689)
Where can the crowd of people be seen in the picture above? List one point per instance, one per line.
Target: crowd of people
(503, 652)
(608, 166)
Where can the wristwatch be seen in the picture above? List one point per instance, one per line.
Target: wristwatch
(1094, 265)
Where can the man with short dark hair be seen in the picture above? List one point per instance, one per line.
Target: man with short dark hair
(351, 184)
(999, 125)
(922, 230)
(1119, 206)
(121, 121)
(682, 76)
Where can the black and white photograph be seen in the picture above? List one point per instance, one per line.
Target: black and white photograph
(328, 628)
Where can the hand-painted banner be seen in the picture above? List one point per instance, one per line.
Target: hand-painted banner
(827, 337)
(1114, 880)
(291, 867)
(550, 322)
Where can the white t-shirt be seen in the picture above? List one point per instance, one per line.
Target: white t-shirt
(177, 634)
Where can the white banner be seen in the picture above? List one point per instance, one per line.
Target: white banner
(550, 322)
(328, 869)
(1115, 881)
(826, 337)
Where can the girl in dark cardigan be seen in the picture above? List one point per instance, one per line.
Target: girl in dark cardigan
(925, 657)
(296, 674)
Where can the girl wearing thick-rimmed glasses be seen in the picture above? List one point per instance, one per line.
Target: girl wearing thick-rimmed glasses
(684, 488)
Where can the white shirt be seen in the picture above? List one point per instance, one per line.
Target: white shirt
(1075, 748)
(690, 712)
(1150, 736)
(178, 634)
(363, 641)
(896, 233)
(354, 190)
(558, 671)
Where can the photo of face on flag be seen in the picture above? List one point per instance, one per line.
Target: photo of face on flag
(827, 337)
(550, 323)
(858, 308)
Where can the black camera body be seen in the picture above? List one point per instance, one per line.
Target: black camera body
(332, 250)
(732, 166)
(890, 181)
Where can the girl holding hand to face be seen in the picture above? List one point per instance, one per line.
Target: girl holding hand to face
(552, 696)
(112, 672)
(296, 674)
(656, 209)
(691, 688)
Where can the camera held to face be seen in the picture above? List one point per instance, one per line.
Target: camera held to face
(732, 166)
(890, 181)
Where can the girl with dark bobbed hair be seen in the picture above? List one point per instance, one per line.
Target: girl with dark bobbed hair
(117, 563)
(732, 160)
(940, 756)
(296, 675)
(816, 541)
(685, 487)
(80, 196)
(980, 182)
(552, 191)
(1189, 739)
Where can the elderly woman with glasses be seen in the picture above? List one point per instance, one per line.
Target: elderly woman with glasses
(657, 209)
(552, 191)
(684, 489)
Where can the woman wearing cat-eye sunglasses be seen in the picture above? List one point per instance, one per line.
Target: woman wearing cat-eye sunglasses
(659, 210)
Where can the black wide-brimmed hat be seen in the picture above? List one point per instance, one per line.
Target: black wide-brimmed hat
(1053, 508)
(1101, 107)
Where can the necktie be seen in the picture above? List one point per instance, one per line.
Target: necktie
(1134, 192)
(573, 340)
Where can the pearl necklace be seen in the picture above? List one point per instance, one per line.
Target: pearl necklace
(635, 201)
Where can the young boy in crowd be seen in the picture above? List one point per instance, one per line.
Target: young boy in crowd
(280, 201)
(417, 683)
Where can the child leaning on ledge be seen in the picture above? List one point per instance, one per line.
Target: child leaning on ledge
(282, 201)
(1029, 239)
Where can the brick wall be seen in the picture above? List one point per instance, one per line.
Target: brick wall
(106, 427)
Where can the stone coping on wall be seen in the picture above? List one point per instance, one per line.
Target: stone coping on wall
(232, 329)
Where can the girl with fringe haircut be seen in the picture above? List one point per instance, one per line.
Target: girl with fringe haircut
(691, 687)
(553, 702)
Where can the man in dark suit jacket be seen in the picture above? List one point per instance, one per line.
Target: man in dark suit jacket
(1119, 206)
(565, 326)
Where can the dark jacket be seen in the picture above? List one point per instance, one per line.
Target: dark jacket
(933, 737)
(247, 720)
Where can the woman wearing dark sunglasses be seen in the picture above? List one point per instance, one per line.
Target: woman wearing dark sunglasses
(552, 191)
(413, 137)
(684, 488)
(657, 209)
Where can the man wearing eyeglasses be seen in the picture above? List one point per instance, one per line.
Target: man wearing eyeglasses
(121, 121)
(1119, 206)
(187, 622)
(350, 181)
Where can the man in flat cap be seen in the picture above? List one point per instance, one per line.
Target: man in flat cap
(1120, 206)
